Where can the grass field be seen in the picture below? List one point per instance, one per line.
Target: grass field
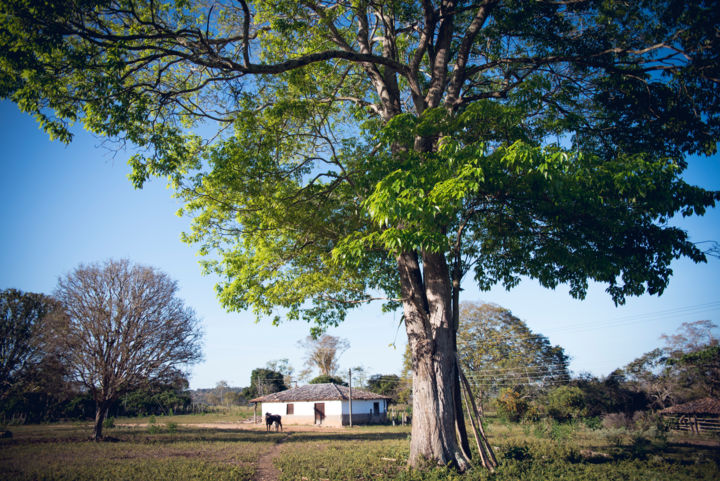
(219, 447)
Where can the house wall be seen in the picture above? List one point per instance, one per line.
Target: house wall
(304, 412)
(337, 413)
(363, 406)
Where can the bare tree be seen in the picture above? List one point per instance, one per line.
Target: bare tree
(323, 353)
(125, 328)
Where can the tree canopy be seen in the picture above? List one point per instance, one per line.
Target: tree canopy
(385, 384)
(263, 382)
(686, 368)
(26, 320)
(385, 149)
(324, 378)
(500, 351)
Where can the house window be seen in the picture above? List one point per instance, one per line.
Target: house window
(376, 408)
(290, 409)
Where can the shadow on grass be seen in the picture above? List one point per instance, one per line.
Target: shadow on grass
(163, 435)
(301, 437)
(234, 435)
(676, 453)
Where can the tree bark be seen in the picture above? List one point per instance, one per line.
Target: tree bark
(101, 410)
(428, 321)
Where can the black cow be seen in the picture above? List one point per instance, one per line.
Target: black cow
(271, 419)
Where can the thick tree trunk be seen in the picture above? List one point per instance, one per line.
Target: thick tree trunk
(101, 410)
(428, 321)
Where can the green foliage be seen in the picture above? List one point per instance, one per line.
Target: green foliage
(686, 368)
(565, 403)
(610, 395)
(322, 379)
(593, 422)
(25, 340)
(161, 396)
(511, 404)
(385, 384)
(498, 349)
(518, 453)
(264, 381)
(109, 422)
(34, 383)
(320, 177)
(703, 366)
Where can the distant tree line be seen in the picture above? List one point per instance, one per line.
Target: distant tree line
(525, 377)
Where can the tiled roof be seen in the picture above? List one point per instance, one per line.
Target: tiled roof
(707, 405)
(318, 392)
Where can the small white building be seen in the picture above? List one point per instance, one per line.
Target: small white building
(325, 404)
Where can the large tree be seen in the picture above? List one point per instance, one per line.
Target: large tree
(25, 323)
(126, 329)
(384, 149)
(499, 350)
(686, 368)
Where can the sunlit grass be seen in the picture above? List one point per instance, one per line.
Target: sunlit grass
(535, 451)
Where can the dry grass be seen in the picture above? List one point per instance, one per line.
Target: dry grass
(60, 452)
(231, 450)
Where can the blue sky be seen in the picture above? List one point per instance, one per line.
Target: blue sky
(65, 205)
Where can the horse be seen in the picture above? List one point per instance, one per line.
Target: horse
(271, 419)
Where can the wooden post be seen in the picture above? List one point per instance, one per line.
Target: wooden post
(350, 386)
(254, 413)
(490, 456)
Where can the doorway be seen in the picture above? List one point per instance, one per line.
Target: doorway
(319, 412)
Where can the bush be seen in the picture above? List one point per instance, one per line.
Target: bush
(511, 405)
(517, 452)
(109, 422)
(593, 423)
(566, 402)
(561, 431)
(640, 447)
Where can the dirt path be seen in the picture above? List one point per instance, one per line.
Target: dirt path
(265, 470)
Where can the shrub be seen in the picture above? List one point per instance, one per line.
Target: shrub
(566, 402)
(109, 422)
(511, 405)
(517, 452)
(640, 447)
(561, 431)
(593, 423)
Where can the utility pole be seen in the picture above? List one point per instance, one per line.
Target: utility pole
(350, 386)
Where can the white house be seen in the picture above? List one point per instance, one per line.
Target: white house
(325, 404)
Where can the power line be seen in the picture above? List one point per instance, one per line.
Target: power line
(621, 321)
